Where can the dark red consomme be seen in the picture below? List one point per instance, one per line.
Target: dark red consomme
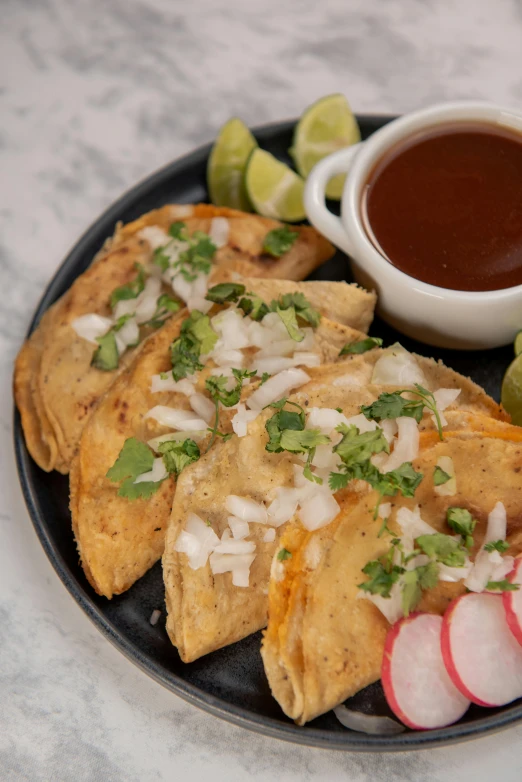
(445, 206)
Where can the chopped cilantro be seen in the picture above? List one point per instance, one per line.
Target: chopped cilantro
(356, 448)
(197, 337)
(131, 290)
(394, 405)
(254, 306)
(301, 305)
(165, 306)
(497, 545)
(355, 348)
(502, 586)
(177, 230)
(216, 385)
(384, 528)
(439, 476)
(106, 357)
(382, 576)
(283, 554)
(289, 318)
(279, 241)
(462, 522)
(443, 548)
(177, 454)
(134, 459)
(414, 581)
(286, 432)
(264, 377)
(225, 291)
(161, 259)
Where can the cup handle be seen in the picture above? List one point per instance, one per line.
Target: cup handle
(325, 221)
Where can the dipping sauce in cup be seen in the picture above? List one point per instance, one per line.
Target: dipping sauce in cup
(445, 206)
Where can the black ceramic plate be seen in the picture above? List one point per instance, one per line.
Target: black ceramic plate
(229, 683)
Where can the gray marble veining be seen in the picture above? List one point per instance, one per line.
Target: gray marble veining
(95, 94)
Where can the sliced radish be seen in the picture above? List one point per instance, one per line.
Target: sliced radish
(414, 678)
(513, 602)
(481, 654)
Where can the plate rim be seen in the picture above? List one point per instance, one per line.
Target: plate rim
(348, 741)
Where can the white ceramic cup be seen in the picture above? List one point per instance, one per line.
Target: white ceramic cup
(438, 316)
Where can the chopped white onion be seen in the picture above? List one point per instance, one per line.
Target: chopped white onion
(362, 423)
(448, 489)
(227, 358)
(326, 419)
(239, 527)
(197, 540)
(237, 564)
(246, 509)
(411, 523)
(165, 438)
(199, 303)
(385, 510)
(154, 235)
(202, 406)
(390, 607)
(154, 617)
(232, 329)
(397, 367)
(158, 472)
(168, 383)
(147, 302)
(276, 387)
(128, 335)
(444, 397)
(235, 547)
(283, 506)
(497, 524)
(241, 420)
(304, 358)
(487, 563)
(175, 418)
(269, 535)
(91, 326)
(219, 230)
(406, 447)
(324, 457)
(124, 307)
(368, 723)
(454, 574)
(389, 428)
(318, 510)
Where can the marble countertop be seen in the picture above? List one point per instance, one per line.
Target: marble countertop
(96, 94)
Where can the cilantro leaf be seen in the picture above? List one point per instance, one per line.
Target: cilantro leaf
(355, 348)
(393, 405)
(381, 578)
(216, 385)
(196, 337)
(135, 491)
(283, 554)
(177, 454)
(161, 259)
(338, 480)
(279, 241)
(177, 230)
(289, 318)
(502, 586)
(106, 357)
(414, 581)
(301, 442)
(442, 548)
(225, 291)
(404, 479)
(165, 306)
(439, 476)
(301, 305)
(462, 522)
(355, 447)
(254, 306)
(134, 459)
(264, 377)
(497, 545)
(384, 528)
(196, 259)
(131, 290)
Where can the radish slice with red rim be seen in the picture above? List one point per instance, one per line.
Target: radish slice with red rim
(480, 652)
(414, 677)
(513, 602)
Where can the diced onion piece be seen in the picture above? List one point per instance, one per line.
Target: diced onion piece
(237, 564)
(147, 302)
(448, 489)
(158, 472)
(389, 428)
(486, 563)
(202, 406)
(241, 420)
(283, 506)
(128, 335)
(227, 358)
(444, 397)
(182, 287)
(232, 329)
(154, 235)
(124, 307)
(165, 438)
(154, 617)
(362, 423)
(175, 418)
(239, 527)
(283, 347)
(219, 230)
(235, 547)
(246, 509)
(504, 567)
(168, 383)
(397, 367)
(411, 523)
(91, 326)
(406, 447)
(390, 607)
(318, 510)
(199, 303)
(269, 535)
(272, 365)
(276, 387)
(326, 419)
(197, 540)
(454, 574)
(304, 358)
(385, 510)
(325, 457)
(372, 724)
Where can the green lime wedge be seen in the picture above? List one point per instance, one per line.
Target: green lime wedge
(227, 163)
(518, 344)
(511, 393)
(325, 127)
(273, 188)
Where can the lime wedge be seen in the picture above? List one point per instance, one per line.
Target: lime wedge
(325, 127)
(273, 188)
(226, 165)
(518, 344)
(511, 393)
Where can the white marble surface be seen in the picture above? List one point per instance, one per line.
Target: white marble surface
(96, 94)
